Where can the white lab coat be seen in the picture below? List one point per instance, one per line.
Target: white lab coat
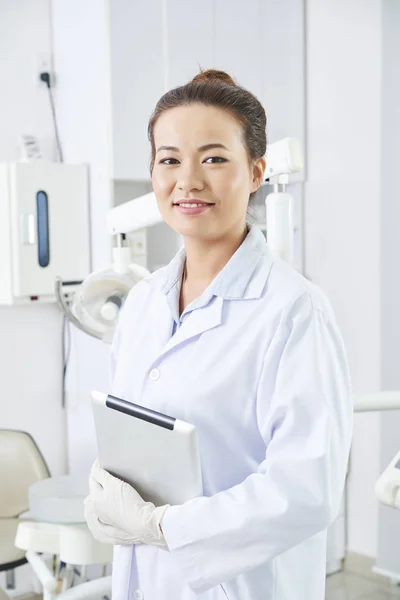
(258, 365)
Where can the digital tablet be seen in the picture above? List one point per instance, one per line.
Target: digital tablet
(155, 453)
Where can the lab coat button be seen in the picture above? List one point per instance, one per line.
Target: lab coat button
(137, 595)
(154, 374)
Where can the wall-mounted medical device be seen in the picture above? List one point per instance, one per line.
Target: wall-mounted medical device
(44, 229)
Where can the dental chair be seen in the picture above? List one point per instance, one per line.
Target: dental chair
(3, 595)
(52, 536)
(58, 544)
(21, 465)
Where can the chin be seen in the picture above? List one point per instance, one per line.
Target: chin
(193, 229)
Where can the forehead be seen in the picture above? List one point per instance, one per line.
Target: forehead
(196, 125)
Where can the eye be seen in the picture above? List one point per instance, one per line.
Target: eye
(164, 161)
(217, 159)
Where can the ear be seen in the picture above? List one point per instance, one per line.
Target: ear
(258, 173)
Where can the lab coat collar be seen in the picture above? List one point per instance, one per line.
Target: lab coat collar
(204, 319)
(243, 277)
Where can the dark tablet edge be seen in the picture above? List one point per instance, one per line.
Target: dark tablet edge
(140, 412)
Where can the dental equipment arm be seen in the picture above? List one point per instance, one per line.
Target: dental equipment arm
(377, 401)
(283, 159)
(95, 305)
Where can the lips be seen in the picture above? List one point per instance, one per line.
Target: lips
(193, 201)
(193, 209)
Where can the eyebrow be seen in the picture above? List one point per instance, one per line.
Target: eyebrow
(200, 149)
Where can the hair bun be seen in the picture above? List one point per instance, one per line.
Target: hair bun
(213, 75)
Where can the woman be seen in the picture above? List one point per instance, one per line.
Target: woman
(234, 340)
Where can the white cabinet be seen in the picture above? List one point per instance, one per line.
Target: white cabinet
(44, 229)
(137, 82)
(158, 45)
(238, 42)
(190, 39)
(282, 43)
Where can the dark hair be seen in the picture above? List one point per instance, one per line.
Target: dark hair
(217, 88)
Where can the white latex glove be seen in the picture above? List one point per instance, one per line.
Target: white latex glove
(117, 514)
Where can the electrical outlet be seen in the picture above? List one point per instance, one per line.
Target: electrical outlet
(45, 65)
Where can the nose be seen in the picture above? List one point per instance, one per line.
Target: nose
(190, 178)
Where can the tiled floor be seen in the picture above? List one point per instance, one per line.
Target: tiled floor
(341, 586)
(345, 586)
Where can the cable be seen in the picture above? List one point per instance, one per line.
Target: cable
(66, 334)
(65, 353)
(45, 77)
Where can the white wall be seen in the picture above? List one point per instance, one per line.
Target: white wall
(25, 41)
(149, 56)
(342, 213)
(83, 102)
(30, 337)
(388, 557)
(137, 65)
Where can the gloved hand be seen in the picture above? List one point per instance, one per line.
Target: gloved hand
(117, 514)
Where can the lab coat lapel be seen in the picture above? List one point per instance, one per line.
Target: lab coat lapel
(163, 324)
(196, 323)
(244, 277)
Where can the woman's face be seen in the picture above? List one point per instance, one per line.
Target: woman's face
(201, 159)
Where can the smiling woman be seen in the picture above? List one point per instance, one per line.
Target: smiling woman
(237, 343)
